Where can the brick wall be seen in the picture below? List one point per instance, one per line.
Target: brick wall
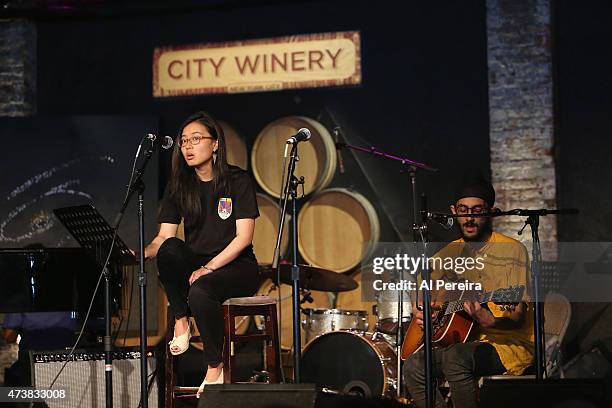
(521, 111)
(17, 68)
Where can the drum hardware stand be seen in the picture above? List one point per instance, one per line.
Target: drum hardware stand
(420, 234)
(306, 297)
(290, 187)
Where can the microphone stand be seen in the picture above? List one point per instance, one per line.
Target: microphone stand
(533, 220)
(139, 186)
(379, 153)
(290, 188)
(107, 339)
(420, 231)
(419, 235)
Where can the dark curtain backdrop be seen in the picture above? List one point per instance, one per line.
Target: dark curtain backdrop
(584, 119)
(60, 161)
(424, 91)
(583, 144)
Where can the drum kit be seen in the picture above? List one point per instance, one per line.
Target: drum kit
(344, 350)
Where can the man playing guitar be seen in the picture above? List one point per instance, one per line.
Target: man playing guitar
(501, 340)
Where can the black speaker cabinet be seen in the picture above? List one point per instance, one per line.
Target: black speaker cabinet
(593, 363)
(550, 393)
(259, 396)
(83, 378)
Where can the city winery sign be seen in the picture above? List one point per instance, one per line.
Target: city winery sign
(300, 61)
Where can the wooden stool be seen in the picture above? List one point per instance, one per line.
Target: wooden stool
(264, 306)
(171, 390)
(235, 307)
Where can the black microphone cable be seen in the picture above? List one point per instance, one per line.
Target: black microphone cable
(95, 292)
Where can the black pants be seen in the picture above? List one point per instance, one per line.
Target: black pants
(203, 299)
(460, 364)
(19, 374)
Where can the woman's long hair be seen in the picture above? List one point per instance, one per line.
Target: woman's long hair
(184, 183)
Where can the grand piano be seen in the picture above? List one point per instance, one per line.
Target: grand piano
(49, 280)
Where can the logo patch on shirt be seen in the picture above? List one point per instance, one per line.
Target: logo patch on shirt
(224, 209)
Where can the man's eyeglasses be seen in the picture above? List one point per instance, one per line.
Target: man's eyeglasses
(194, 140)
(464, 209)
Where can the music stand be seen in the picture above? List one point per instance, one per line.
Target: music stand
(92, 232)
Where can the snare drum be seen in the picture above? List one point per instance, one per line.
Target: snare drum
(349, 362)
(353, 300)
(319, 321)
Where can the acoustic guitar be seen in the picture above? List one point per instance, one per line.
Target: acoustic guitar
(451, 324)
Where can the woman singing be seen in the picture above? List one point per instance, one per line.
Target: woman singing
(216, 262)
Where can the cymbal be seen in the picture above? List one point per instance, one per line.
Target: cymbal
(312, 278)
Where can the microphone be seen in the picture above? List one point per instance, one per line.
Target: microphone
(301, 136)
(337, 131)
(444, 220)
(166, 143)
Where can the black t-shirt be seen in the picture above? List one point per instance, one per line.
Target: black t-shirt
(216, 227)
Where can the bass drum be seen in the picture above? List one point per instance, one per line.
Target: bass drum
(350, 363)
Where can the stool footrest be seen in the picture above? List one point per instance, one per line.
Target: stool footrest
(249, 337)
(251, 300)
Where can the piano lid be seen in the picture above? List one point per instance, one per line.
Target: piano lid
(48, 280)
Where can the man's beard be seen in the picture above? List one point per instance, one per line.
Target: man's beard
(482, 231)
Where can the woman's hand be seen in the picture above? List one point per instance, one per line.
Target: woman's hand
(165, 231)
(199, 273)
(245, 228)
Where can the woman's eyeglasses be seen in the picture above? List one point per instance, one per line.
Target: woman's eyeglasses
(194, 140)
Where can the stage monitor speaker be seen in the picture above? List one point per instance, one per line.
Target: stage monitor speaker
(259, 396)
(84, 380)
(550, 393)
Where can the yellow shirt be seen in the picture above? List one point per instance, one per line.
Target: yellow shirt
(506, 264)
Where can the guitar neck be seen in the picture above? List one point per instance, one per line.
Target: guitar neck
(457, 305)
(513, 294)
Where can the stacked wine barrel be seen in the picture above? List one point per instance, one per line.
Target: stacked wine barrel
(335, 225)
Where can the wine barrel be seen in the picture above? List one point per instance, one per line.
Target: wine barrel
(235, 146)
(266, 230)
(333, 227)
(317, 157)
